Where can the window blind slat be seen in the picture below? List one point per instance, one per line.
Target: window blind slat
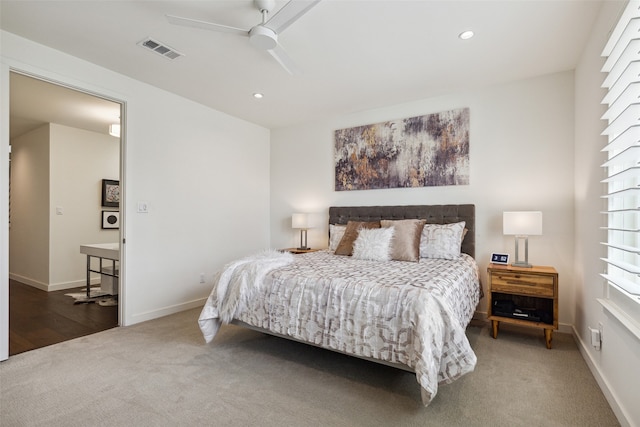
(628, 155)
(626, 230)
(628, 118)
(631, 74)
(626, 266)
(626, 192)
(629, 137)
(626, 248)
(631, 12)
(621, 282)
(614, 211)
(629, 96)
(630, 32)
(630, 53)
(623, 175)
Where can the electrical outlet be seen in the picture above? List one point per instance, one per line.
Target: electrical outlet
(595, 338)
(201, 277)
(601, 329)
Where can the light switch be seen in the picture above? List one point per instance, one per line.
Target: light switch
(143, 207)
(59, 210)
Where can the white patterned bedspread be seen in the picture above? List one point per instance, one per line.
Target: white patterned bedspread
(402, 312)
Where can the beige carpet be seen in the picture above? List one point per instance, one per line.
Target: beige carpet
(160, 373)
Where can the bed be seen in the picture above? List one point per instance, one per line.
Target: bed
(410, 313)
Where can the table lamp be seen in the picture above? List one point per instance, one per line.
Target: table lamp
(522, 224)
(301, 221)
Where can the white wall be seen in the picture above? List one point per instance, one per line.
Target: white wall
(617, 365)
(521, 142)
(204, 175)
(29, 232)
(79, 161)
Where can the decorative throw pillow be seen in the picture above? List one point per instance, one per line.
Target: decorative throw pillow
(373, 244)
(405, 245)
(441, 240)
(335, 235)
(345, 247)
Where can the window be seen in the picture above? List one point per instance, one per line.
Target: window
(622, 182)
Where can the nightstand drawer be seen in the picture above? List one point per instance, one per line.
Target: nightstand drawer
(523, 284)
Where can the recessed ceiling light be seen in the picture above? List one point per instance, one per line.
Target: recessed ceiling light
(258, 95)
(466, 35)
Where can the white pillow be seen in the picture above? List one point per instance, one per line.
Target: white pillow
(441, 241)
(335, 235)
(373, 244)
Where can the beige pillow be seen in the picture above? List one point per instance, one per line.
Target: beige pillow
(345, 247)
(405, 245)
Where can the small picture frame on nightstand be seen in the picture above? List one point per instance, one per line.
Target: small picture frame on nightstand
(497, 258)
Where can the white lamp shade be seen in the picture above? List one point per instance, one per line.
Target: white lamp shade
(300, 220)
(524, 223)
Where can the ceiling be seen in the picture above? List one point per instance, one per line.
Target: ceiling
(34, 102)
(353, 54)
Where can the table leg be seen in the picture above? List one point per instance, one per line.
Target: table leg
(494, 325)
(548, 336)
(88, 276)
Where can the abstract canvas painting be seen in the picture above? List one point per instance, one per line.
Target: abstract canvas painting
(423, 151)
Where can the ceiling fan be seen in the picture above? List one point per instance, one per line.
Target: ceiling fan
(264, 36)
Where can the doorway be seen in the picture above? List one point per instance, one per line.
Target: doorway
(61, 153)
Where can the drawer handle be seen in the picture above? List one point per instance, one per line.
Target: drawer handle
(521, 283)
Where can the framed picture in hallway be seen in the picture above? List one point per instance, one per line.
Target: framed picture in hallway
(110, 193)
(110, 219)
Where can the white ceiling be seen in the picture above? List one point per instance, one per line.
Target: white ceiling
(34, 102)
(354, 54)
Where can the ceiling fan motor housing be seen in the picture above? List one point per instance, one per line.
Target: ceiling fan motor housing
(263, 37)
(264, 5)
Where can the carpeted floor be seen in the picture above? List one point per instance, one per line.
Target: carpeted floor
(161, 373)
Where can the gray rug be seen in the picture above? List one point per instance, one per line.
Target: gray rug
(161, 373)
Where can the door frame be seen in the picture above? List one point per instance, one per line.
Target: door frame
(5, 73)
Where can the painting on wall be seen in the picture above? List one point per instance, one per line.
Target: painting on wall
(424, 151)
(110, 193)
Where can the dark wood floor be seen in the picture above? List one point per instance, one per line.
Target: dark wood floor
(38, 318)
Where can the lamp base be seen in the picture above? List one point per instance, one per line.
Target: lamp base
(303, 243)
(522, 264)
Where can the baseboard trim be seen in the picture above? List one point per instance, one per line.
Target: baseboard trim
(165, 311)
(31, 282)
(72, 285)
(47, 287)
(609, 394)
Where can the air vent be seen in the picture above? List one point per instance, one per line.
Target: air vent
(160, 48)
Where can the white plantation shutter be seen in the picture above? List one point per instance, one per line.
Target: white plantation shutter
(622, 182)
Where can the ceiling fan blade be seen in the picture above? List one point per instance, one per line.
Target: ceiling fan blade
(188, 22)
(284, 60)
(289, 13)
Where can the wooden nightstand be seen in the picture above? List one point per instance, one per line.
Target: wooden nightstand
(523, 296)
(299, 251)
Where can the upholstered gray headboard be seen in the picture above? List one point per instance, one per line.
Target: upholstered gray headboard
(433, 214)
